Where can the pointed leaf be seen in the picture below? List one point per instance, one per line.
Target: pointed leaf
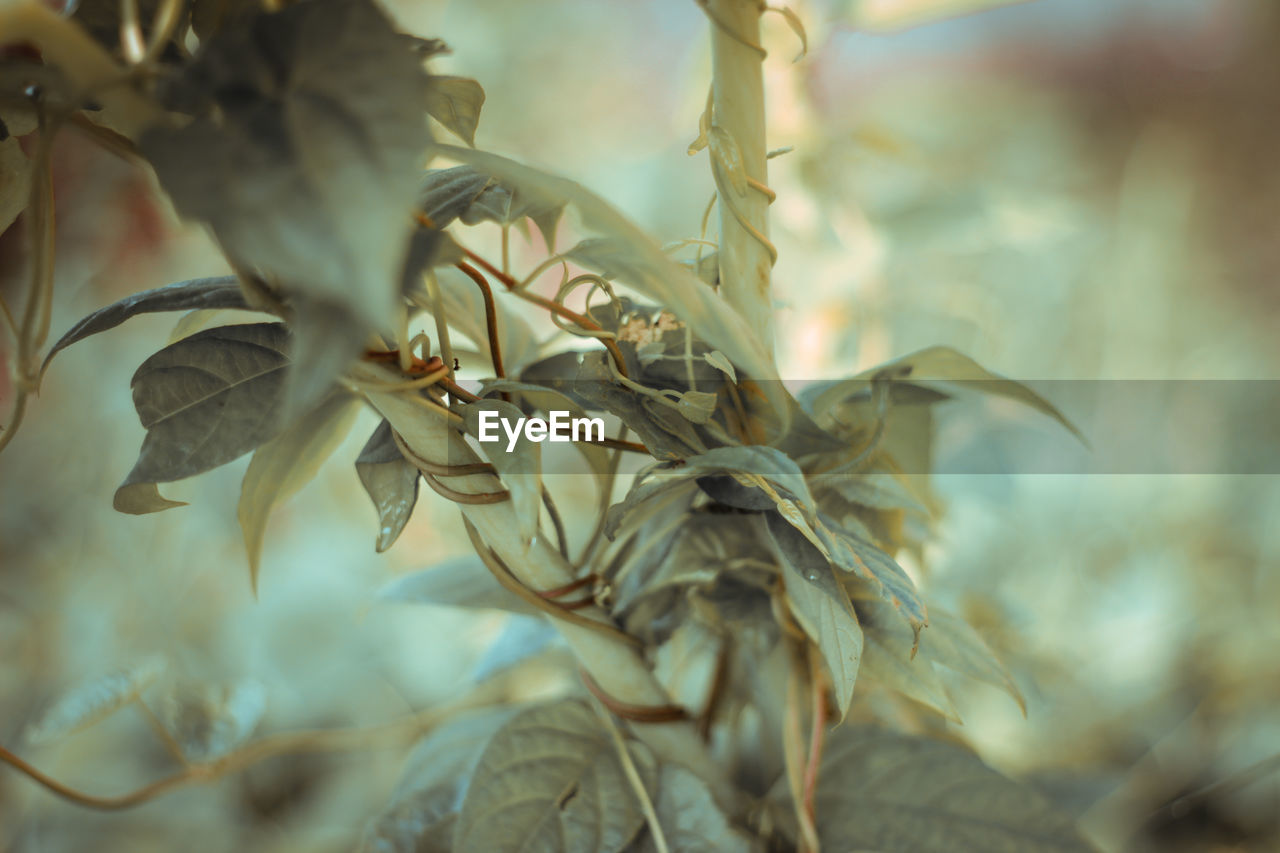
(953, 643)
(889, 660)
(91, 702)
(855, 554)
(204, 401)
(391, 482)
(884, 791)
(285, 464)
(448, 193)
(550, 780)
(821, 606)
(196, 294)
(691, 820)
(455, 102)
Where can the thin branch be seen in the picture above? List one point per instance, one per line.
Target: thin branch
(490, 317)
(637, 784)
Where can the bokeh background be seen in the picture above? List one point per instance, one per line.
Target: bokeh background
(1063, 189)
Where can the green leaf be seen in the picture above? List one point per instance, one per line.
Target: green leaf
(889, 657)
(448, 193)
(455, 102)
(952, 642)
(196, 294)
(551, 780)
(884, 791)
(647, 267)
(391, 482)
(204, 401)
(821, 606)
(690, 819)
(304, 151)
(460, 582)
(91, 702)
(286, 463)
(519, 467)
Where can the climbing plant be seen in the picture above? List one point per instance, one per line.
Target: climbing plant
(733, 597)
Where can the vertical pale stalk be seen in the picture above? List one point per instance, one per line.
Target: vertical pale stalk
(737, 96)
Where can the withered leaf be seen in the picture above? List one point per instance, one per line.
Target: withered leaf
(205, 401)
(455, 102)
(551, 779)
(286, 463)
(391, 482)
(304, 152)
(196, 294)
(89, 703)
(820, 605)
(885, 791)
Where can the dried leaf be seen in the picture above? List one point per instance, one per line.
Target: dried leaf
(303, 114)
(880, 790)
(455, 102)
(726, 154)
(797, 27)
(196, 294)
(209, 721)
(204, 401)
(519, 466)
(821, 606)
(691, 820)
(460, 582)
(285, 464)
(550, 780)
(89, 703)
(391, 482)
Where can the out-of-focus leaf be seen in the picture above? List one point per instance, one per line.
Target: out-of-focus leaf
(943, 364)
(820, 605)
(725, 151)
(198, 293)
(286, 463)
(551, 780)
(855, 554)
(647, 267)
(448, 193)
(767, 462)
(464, 307)
(546, 400)
(423, 813)
(690, 819)
(874, 489)
(204, 401)
(953, 643)
(521, 638)
(455, 102)
(797, 27)
(519, 467)
(325, 343)
(304, 152)
(200, 319)
(697, 406)
(15, 181)
(391, 482)
(141, 499)
(89, 703)
(460, 582)
(210, 16)
(888, 658)
(209, 721)
(884, 791)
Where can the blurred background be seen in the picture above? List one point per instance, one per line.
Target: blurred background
(1062, 189)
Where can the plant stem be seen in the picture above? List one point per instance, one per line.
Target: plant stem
(737, 98)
